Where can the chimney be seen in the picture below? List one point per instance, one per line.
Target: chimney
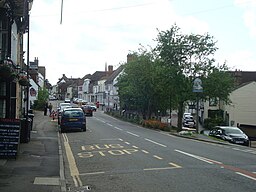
(130, 57)
(110, 70)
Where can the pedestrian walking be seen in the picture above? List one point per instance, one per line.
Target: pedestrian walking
(45, 108)
(50, 109)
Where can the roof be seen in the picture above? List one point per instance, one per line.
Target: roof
(97, 75)
(111, 78)
(242, 77)
(244, 84)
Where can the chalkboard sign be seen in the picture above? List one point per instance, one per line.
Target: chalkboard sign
(9, 137)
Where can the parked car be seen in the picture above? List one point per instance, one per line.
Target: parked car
(67, 100)
(93, 106)
(230, 134)
(60, 108)
(88, 110)
(186, 114)
(188, 121)
(72, 119)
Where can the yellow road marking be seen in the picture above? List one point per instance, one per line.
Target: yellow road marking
(175, 165)
(72, 163)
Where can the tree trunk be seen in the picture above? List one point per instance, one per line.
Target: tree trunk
(180, 115)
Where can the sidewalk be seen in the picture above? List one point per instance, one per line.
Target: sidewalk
(37, 166)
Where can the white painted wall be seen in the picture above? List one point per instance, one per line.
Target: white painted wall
(243, 107)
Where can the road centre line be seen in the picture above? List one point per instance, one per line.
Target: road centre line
(93, 173)
(158, 169)
(132, 134)
(109, 124)
(118, 128)
(144, 151)
(155, 142)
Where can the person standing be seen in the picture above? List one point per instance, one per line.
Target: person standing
(50, 109)
(45, 108)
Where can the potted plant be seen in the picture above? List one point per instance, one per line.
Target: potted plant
(23, 81)
(5, 71)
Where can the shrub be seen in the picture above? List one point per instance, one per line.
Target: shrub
(154, 124)
(210, 123)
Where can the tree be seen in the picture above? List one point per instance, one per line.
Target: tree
(184, 57)
(42, 98)
(139, 86)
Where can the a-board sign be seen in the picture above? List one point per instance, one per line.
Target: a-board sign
(9, 137)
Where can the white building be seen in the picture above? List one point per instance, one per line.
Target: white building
(242, 110)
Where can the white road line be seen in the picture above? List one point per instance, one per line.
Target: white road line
(109, 124)
(118, 128)
(132, 134)
(160, 158)
(157, 169)
(210, 161)
(111, 139)
(127, 143)
(145, 151)
(246, 176)
(94, 173)
(135, 147)
(155, 142)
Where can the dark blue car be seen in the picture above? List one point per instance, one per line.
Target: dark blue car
(72, 119)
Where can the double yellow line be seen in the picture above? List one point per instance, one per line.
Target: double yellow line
(72, 163)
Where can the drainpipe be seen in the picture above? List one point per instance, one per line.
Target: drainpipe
(27, 103)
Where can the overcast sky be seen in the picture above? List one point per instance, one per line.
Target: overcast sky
(96, 32)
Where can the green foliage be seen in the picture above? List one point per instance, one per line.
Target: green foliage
(140, 86)
(43, 96)
(210, 123)
(218, 84)
(162, 78)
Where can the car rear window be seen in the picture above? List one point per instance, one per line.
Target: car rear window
(73, 114)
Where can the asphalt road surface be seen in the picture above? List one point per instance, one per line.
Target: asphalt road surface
(118, 156)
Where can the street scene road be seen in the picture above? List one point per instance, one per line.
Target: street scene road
(113, 155)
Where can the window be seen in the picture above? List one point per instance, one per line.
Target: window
(3, 37)
(2, 108)
(213, 101)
